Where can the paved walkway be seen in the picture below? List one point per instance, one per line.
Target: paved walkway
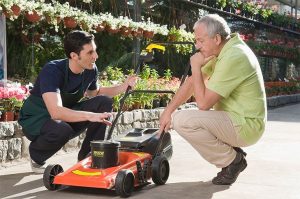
(272, 173)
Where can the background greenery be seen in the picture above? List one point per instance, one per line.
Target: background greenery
(31, 45)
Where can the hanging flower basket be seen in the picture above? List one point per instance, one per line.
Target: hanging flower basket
(137, 33)
(148, 34)
(100, 27)
(33, 17)
(125, 31)
(16, 10)
(112, 31)
(70, 22)
(172, 37)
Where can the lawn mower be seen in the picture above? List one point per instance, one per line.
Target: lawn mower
(126, 162)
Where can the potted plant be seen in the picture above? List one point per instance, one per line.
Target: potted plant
(34, 10)
(12, 8)
(173, 34)
(7, 109)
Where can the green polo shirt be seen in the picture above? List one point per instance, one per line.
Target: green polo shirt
(236, 75)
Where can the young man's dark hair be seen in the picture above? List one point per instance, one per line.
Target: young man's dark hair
(75, 41)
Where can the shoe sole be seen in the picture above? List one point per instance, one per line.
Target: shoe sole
(229, 183)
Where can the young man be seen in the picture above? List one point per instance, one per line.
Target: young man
(226, 76)
(54, 113)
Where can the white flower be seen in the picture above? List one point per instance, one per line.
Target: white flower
(86, 1)
(163, 30)
(183, 26)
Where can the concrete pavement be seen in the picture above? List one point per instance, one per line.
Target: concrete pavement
(272, 173)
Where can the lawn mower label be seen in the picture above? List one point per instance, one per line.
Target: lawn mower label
(98, 154)
(84, 173)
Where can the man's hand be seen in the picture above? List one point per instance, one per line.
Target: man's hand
(100, 117)
(165, 122)
(131, 81)
(198, 60)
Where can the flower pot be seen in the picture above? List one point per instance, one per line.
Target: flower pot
(148, 34)
(125, 31)
(70, 22)
(164, 102)
(112, 31)
(156, 103)
(172, 37)
(33, 17)
(7, 116)
(100, 27)
(16, 10)
(137, 33)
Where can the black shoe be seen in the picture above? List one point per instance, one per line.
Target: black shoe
(229, 174)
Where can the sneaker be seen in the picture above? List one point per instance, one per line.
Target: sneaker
(37, 168)
(229, 174)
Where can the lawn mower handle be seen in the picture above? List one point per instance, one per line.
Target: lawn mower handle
(122, 101)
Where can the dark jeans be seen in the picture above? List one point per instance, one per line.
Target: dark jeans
(55, 133)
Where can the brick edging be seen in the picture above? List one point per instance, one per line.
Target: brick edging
(281, 100)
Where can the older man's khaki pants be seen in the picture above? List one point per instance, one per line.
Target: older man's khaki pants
(211, 133)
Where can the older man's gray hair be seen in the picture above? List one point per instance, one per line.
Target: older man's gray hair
(215, 25)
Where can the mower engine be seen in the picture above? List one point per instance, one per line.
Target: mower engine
(146, 140)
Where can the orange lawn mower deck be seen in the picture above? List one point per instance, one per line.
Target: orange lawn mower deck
(136, 164)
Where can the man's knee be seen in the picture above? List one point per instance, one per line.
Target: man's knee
(61, 132)
(179, 121)
(105, 103)
(184, 125)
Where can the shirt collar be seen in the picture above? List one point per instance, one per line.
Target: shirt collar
(234, 39)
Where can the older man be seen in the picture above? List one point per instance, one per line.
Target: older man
(226, 76)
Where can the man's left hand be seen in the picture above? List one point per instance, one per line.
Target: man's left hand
(131, 81)
(198, 60)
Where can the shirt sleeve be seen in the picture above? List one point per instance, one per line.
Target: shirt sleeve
(209, 67)
(228, 75)
(51, 79)
(93, 85)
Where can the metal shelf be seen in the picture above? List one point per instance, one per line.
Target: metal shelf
(240, 17)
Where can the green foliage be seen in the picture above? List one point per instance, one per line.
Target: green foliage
(111, 49)
(114, 74)
(10, 104)
(221, 3)
(149, 79)
(167, 74)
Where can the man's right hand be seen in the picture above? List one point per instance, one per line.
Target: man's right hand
(100, 117)
(165, 122)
